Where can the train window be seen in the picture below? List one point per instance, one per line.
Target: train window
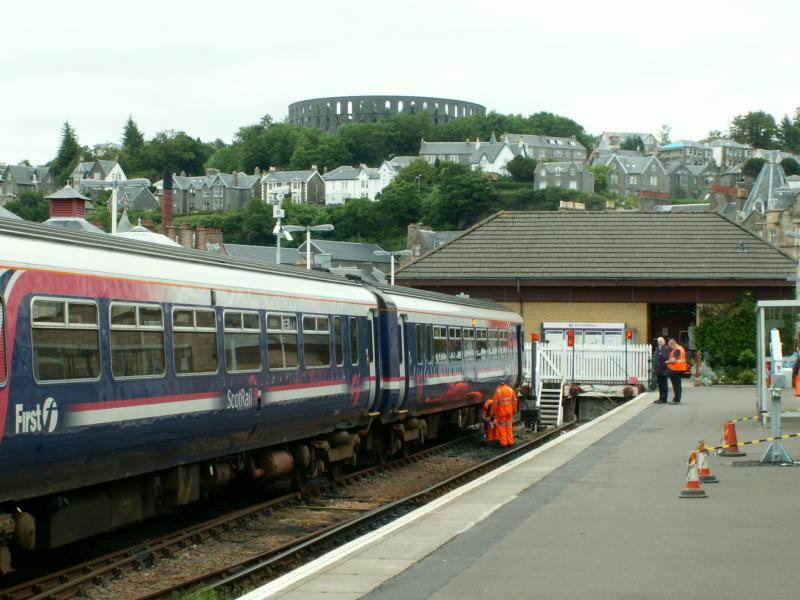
(481, 346)
(282, 341)
(65, 339)
(354, 340)
(430, 348)
(338, 341)
(502, 343)
(3, 369)
(316, 341)
(418, 330)
(242, 338)
(440, 344)
(194, 341)
(455, 343)
(137, 341)
(493, 342)
(469, 344)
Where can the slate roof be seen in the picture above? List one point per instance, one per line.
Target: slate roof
(288, 176)
(770, 190)
(635, 164)
(267, 254)
(353, 251)
(7, 214)
(602, 246)
(562, 166)
(346, 173)
(23, 175)
(543, 141)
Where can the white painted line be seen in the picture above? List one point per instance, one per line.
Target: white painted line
(316, 566)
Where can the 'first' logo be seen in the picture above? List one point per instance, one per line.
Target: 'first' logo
(42, 418)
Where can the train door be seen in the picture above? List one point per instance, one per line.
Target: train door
(371, 358)
(402, 358)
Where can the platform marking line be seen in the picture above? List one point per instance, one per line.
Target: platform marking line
(317, 566)
(761, 441)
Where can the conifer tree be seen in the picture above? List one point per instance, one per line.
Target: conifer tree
(132, 138)
(69, 152)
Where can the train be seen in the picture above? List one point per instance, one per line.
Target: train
(137, 378)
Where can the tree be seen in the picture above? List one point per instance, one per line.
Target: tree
(790, 166)
(31, 206)
(600, 173)
(400, 203)
(132, 138)
(789, 133)
(715, 134)
(521, 168)
(69, 153)
(462, 197)
(664, 133)
(752, 167)
(173, 152)
(633, 143)
(757, 129)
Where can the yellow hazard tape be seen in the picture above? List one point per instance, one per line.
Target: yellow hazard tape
(753, 418)
(761, 441)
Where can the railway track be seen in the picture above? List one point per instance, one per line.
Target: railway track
(267, 566)
(75, 580)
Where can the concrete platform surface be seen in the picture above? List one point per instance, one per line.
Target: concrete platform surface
(596, 514)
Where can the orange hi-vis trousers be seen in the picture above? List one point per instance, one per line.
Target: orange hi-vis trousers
(505, 403)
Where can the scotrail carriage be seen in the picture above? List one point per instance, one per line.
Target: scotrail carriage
(134, 379)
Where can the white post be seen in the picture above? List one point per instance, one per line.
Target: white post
(114, 207)
(278, 247)
(308, 248)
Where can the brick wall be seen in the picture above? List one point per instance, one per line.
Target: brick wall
(633, 314)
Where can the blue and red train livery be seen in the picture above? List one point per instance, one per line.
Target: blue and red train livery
(136, 378)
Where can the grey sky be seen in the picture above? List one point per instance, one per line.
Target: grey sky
(209, 67)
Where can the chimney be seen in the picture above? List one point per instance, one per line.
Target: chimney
(200, 238)
(257, 172)
(166, 203)
(210, 172)
(313, 167)
(362, 166)
(272, 169)
(477, 143)
(66, 203)
(213, 236)
(185, 236)
(235, 178)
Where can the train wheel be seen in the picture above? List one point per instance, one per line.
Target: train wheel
(379, 448)
(299, 480)
(335, 472)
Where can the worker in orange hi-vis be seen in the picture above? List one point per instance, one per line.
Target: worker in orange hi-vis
(505, 405)
(487, 414)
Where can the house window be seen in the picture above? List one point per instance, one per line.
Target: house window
(206, 192)
(653, 180)
(573, 185)
(217, 192)
(613, 178)
(632, 180)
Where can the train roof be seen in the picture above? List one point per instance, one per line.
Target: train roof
(408, 292)
(104, 242)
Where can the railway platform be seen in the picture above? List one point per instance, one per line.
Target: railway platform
(593, 514)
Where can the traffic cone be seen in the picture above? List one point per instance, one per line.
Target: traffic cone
(703, 470)
(731, 442)
(693, 488)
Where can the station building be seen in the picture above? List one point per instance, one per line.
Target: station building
(649, 270)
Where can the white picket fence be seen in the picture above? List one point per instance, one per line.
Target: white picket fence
(611, 364)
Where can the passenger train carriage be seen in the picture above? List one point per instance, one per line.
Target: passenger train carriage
(135, 378)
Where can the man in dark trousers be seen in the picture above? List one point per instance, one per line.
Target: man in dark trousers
(660, 370)
(676, 363)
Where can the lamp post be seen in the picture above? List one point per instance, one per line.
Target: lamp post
(308, 229)
(391, 256)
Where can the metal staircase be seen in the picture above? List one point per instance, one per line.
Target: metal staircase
(551, 410)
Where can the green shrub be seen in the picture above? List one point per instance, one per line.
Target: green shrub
(746, 377)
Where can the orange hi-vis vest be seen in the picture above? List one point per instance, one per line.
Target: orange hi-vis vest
(680, 360)
(505, 402)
